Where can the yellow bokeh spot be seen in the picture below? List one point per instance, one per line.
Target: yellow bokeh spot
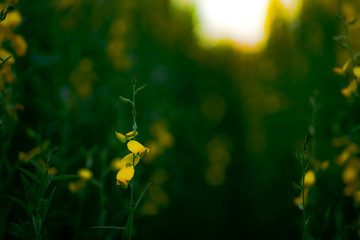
(85, 174)
(356, 71)
(12, 19)
(310, 178)
(350, 89)
(52, 170)
(19, 44)
(349, 174)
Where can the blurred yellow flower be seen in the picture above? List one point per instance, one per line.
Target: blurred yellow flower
(350, 89)
(356, 71)
(350, 149)
(4, 54)
(19, 44)
(137, 148)
(124, 176)
(12, 19)
(52, 170)
(85, 174)
(310, 178)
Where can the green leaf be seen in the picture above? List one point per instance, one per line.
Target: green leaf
(48, 202)
(125, 100)
(63, 177)
(108, 227)
(296, 186)
(142, 194)
(17, 228)
(343, 45)
(37, 166)
(339, 38)
(140, 88)
(17, 200)
(30, 175)
(51, 156)
(3, 62)
(29, 191)
(352, 22)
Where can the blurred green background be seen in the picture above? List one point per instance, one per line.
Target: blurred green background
(222, 124)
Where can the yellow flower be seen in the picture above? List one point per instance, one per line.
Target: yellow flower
(129, 159)
(124, 138)
(137, 148)
(85, 174)
(124, 176)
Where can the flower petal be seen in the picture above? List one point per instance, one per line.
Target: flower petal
(121, 137)
(129, 160)
(124, 176)
(131, 134)
(134, 146)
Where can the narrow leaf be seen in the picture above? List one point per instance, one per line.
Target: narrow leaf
(63, 177)
(343, 45)
(108, 227)
(3, 62)
(339, 38)
(37, 165)
(125, 100)
(17, 228)
(29, 191)
(352, 22)
(339, 17)
(48, 202)
(30, 175)
(17, 200)
(140, 88)
(142, 195)
(296, 186)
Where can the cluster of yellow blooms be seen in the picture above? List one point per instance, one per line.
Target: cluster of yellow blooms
(351, 89)
(126, 165)
(84, 175)
(18, 46)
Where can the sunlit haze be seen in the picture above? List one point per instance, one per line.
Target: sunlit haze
(240, 21)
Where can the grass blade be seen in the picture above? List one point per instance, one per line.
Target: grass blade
(29, 191)
(142, 195)
(108, 227)
(63, 177)
(30, 175)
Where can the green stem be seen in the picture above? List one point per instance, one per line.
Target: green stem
(130, 220)
(303, 194)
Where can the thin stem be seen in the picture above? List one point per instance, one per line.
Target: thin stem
(130, 220)
(303, 193)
